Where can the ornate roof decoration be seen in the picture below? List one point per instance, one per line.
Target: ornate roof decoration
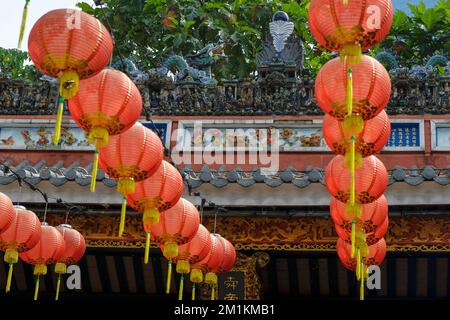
(57, 175)
(283, 51)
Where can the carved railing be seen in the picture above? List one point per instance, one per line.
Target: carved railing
(275, 95)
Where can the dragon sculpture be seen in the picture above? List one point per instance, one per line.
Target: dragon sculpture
(195, 68)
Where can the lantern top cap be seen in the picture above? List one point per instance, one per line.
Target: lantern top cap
(17, 207)
(280, 16)
(43, 223)
(65, 225)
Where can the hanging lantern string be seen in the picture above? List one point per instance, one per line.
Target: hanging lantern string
(45, 210)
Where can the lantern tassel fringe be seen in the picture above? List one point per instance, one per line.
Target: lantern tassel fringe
(36, 288)
(349, 93)
(358, 264)
(353, 238)
(57, 135)
(126, 185)
(8, 281)
(23, 24)
(68, 84)
(147, 247)
(123, 213)
(169, 276)
(361, 288)
(180, 293)
(58, 285)
(351, 53)
(213, 293)
(352, 172)
(193, 292)
(94, 171)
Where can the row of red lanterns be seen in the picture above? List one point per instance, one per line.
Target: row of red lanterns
(23, 235)
(107, 104)
(353, 90)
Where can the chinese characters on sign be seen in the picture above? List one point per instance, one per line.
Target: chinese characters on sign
(231, 286)
(404, 135)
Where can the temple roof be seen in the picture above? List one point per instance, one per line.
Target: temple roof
(58, 175)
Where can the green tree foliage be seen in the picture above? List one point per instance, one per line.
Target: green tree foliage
(150, 30)
(15, 64)
(422, 34)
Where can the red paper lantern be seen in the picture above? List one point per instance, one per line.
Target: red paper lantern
(161, 191)
(374, 256)
(74, 249)
(70, 45)
(131, 156)
(371, 237)
(48, 250)
(22, 235)
(370, 141)
(372, 215)
(229, 256)
(190, 253)
(7, 212)
(371, 180)
(106, 104)
(177, 226)
(348, 28)
(209, 264)
(371, 88)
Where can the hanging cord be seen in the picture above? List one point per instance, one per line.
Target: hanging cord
(45, 210)
(215, 219)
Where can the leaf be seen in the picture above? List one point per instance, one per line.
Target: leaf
(85, 7)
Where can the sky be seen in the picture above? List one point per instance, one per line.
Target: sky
(11, 15)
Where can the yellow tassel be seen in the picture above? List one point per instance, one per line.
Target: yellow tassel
(10, 273)
(345, 2)
(349, 93)
(147, 247)
(193, 292)
(170, 250)
(211, 278)
(353, 124)
(180, 293)
(351, 53)
(36, 289)
(352, 171)
(353, 238)
(196, 276)
(23, 24)
(125, 185)
(348, 159)
(58, 285)
(57, 135)
(11, 256)
(60, 268)
(94, 171)
(40, 270)
(358, 264)
(353, 211)
(98, 136)
(123, 213)
(68, 84)
(151, 216)
(213, 291)
(361, 288)
(183, 266)
(169, 276)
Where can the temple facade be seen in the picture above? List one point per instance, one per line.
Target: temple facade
(252, 155)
